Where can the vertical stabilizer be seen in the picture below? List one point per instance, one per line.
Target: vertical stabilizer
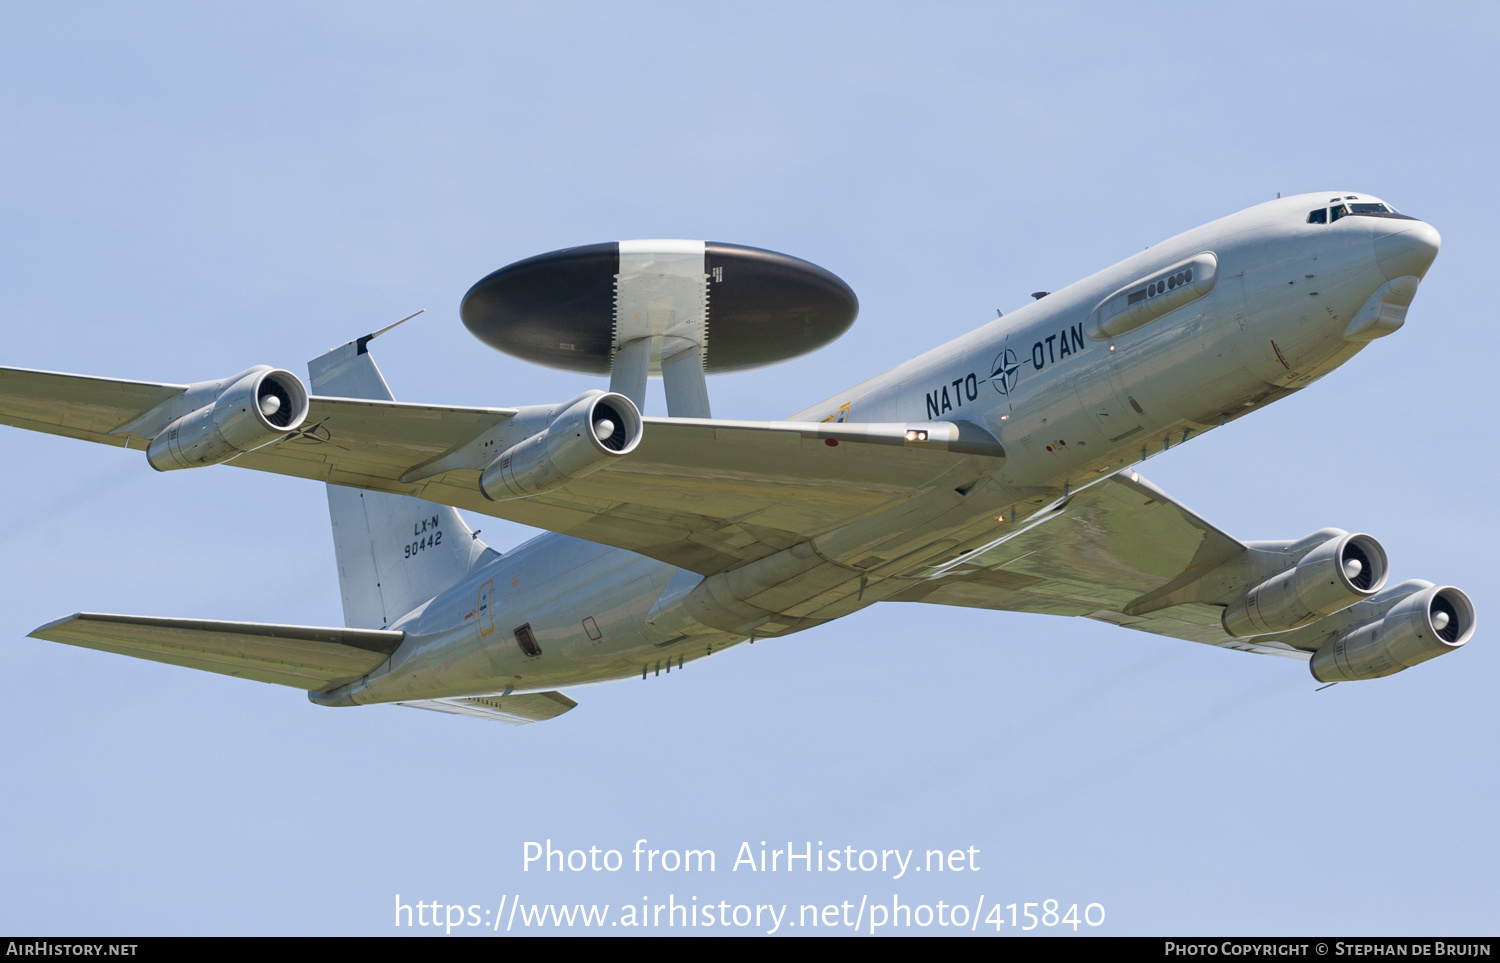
(394, 552)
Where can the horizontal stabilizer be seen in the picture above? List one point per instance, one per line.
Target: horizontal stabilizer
(300, 656)
(514, 710)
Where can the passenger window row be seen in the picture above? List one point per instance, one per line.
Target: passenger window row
(1161, 285)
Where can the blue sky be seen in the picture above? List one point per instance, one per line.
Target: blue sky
(188, 190)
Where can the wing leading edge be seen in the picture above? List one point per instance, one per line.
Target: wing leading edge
(703, 495)
(77, 406)
(709, 496)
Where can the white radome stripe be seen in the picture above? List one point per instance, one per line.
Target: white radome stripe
(661, 292)
(682, 258)
(661, 313)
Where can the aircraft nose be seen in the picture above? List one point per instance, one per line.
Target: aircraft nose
(1408, 251)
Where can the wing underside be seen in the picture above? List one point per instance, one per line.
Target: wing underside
(709, 496)
(699, 494)
(300, 656)
(705, 496)
(77, 406)
(1120, 551)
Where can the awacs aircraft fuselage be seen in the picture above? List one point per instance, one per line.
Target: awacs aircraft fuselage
(1129, 362)
(991, 472)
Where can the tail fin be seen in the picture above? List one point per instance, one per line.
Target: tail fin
(394, 552)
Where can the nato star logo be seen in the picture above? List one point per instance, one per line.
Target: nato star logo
(1005, 372)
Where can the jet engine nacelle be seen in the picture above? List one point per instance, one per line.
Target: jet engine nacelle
(586, 436)
(1422, 626)
(1332, 576)
(257, 408)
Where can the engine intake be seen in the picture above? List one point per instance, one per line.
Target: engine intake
(1332, 576)
(589, 434)
(258, 407)
(1422, 626)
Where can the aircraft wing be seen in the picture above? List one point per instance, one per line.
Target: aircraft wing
(382, 435)
(300, 656)
(1120, 551)
(704, 495)
(76, 406)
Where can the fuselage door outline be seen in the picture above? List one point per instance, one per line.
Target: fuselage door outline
(487, 607)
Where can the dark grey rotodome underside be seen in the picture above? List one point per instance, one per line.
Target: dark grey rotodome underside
(557, 309)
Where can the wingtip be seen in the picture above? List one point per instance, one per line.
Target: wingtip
(38, 632)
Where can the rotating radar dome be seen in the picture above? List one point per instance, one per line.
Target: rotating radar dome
(740, 307)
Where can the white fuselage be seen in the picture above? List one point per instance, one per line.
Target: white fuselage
(1070, 404)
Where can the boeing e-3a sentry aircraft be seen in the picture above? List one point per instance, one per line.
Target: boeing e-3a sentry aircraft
(994, 471)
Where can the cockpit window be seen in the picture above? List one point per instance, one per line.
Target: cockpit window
(1337, 209)
(1375, 209)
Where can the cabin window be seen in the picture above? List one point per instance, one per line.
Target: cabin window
(526, 639)
(1145, 300)
(1160, 287)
